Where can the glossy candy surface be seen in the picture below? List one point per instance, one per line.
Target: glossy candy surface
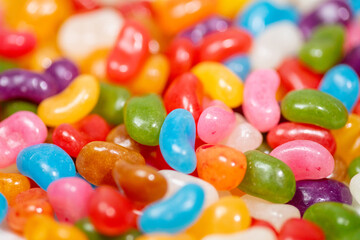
(63, 71)
(240, 65)
(119, 136)
(16, 44)
(301, 229)
(181, 53)
(11, 184)
(3, 207)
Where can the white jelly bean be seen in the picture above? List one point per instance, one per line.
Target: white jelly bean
(253, 233)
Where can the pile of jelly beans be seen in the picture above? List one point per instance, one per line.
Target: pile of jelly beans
(180, 119)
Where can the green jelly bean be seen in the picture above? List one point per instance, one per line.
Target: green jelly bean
(6, 65)
(132, 234)
(144, 117)
(10, 107)
(337, 220)
(111, 103)
(268, 178)
(354, 167)
(324, 49)
(314, 107)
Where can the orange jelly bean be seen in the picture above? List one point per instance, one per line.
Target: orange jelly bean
(181, 236)
(11, 184)
(120, 136)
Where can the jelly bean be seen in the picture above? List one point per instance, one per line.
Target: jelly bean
(354, 187)
(84, 33)
(53, 162)
(330, 12)
(244, 136)
(230, 8)
(63, 71)
(8, 108)
(72, 104)
(19, 131)
(119, 136)
(181, 236)
(3, 207)
(307, 159)
(11, 184)
(177, 141)
(262, 112)
(42, 57)
(185, 92)
(16, 44)
(275, 214)
(314, 107)
(143, 117)
(27, 85)
(254, 233)
(309, 192)
(354, 167)
(95, 63)
(180, 54)
(352, 59)
(175, 213)
(138, 182)
(240, 65)
(264, 148)
(129, 54)
(340, 170)
(343, 220)
(220, 83)
(110, 212)
(351, 39)
(30, 195)
(228, 215)
(342, 82)
(324, 49)
(85, 5)
(218, 46)
(278, 42)
(300, 229)
(355, 6)
(268, 178)
(222, 166)
(70, 198)
(259, 15)
(306, 6)
(295, 76)
(94, 127)
(97, 159)
(6, 65)
(177, 180)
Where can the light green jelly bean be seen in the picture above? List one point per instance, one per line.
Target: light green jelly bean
(144, 117)
(8, 108)
(354, 167)
(314, 107)
(338, 221)
(268, 178)
(6, 65)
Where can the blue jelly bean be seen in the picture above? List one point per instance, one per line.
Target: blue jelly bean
(342, 82)
(3, 207)
(177, 141)
(174, 214)
(355, 6)
(240, 65)
(45, 163)
(261, 14)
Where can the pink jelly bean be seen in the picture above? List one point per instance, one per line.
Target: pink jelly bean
(20, 130)
(307, 159)
(260, 106)
(215, 123)
(69, 198)
(352, 36)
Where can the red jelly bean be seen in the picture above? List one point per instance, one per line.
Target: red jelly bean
(185, 92)
(85, 5)
(290, 131)
(135, 8)
(15, 44)
(300, 229)
(94, 126)
(129, 54)
(220, 45)
(357, 108)
(110, 212)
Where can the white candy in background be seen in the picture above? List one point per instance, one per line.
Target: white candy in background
(254, 233)
(275, 214)
(355, 187)
(279, 41)
(306, 6)
(83, 33)
(177, 180)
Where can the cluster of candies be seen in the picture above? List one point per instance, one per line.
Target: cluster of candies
(180, 119)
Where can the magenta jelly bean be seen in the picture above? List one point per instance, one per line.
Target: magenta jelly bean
(260, 106)
(307, 159)
(69, 198)
(20, 130)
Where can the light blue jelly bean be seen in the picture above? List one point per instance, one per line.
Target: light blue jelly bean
(174, 214)
(261, 14)
(240, 65)
(45, 163)
(177, 141)
(342, 82)
(3, 207)
(355, 6)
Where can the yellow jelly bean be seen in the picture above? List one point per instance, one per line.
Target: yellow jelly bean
(95, 63)
(182, 236)
(220, 83)
(229, 8)
(153, 76)
(228, 215)
(72, 104)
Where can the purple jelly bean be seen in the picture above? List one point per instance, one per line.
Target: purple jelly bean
(352, 59)
(63, 71)
(330, 12)
(309, 192)
(23, 84)
(199, 31)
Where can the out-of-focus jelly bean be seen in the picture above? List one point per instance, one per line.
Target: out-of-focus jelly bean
(352, 59)
(3, 207)
(11, 184)
(300, 229)
(6, 65)
(354, 187)
(268, 178)
(8, 108)
(63, 71)
(230, 8)
(339, 173)
(351, 40)
(72, 104)
(180, 54)
(16, 44)
(314, 107)
(354, 167)
(162, 236)
(240, 65)
(29, 195)
(253, 233)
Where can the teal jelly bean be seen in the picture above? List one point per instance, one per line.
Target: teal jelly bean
(314, 107)
(3, 207)
(6, 65)
(268, 178)
(111, 103)
(354, 167)
(8, 108)
(337, 220)
(144, 117)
